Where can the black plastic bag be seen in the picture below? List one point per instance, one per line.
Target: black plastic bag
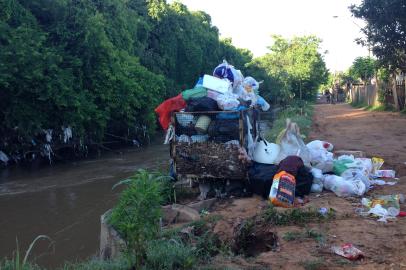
(203, 104)
(224, 130)
(304, 181)
(261, 177)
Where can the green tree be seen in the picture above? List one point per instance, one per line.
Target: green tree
(385, 30)
(363, 68)
(296, 67)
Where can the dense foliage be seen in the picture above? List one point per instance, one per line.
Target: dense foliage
(385, 30)
(101, 67)
(363, 68)
(296, 68)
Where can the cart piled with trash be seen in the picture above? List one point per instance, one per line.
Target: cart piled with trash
(211, 128)
(213, 134)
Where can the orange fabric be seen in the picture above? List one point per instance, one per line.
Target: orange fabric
(165, 109)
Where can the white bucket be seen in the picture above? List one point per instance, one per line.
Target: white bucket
(202, 124)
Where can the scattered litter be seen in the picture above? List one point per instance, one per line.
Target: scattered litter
(348, 251)
(323, 211)
(384, 174)
(385, 207)
(402, 214)
(377, 163)
(380, 182)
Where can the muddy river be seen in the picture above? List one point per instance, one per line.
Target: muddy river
(64, 202)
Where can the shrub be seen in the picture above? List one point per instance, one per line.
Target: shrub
(168, 255)
(136, 216)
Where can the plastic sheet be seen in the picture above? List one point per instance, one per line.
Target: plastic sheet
(292, 144)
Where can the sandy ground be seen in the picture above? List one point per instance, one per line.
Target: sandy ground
(375, 133)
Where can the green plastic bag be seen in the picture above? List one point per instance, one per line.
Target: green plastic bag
(340, 166)
(196, 92)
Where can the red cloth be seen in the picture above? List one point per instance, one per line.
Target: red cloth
(165, 109)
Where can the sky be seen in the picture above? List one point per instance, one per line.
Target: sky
(250, 24)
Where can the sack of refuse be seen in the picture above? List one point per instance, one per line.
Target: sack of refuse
(317, 144)
(261, 102)
(353, 174)
(228, 102)
(318, 178)
(227, 71)
(292, 144)
(321, 159)
(346, 162)
(260, 178)
(251, 85)
(344, 188)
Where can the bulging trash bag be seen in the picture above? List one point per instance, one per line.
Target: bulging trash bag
(317, 144)
(317, 186)
(228, 102)
(227, 71)
(203, 104)
(263, 104)
(354, 174)
(260, 178)
(292, 144)
(321, 159)
(197, 92)
(251, 85)
(344, 188)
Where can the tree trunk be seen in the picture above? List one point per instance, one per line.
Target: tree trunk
(394, 92)
(300, 89)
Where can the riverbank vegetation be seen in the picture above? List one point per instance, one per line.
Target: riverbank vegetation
(77, 74)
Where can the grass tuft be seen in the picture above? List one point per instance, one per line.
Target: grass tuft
(295, 216)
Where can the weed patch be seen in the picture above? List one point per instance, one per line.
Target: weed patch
(313, 264)
(296, 216)
(307, 234)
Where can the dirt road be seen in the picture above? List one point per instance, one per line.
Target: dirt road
(376, 133)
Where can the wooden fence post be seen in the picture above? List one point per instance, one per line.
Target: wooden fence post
(394, 91)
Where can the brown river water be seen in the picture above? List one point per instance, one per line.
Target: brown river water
(65, 201)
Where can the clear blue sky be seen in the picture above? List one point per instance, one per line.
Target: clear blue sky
(250, 24)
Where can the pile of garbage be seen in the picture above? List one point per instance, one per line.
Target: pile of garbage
(212, 126)
(226, 90)
(345, 175)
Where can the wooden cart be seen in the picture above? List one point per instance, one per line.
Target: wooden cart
(205, 156)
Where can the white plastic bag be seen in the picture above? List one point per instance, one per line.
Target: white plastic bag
(344, 188)
(354, 174)
(317, 174)
(263, 104)
(250, 85)
(317, 186)
(292, 144)
(228, 102)
(321, 159)
(317, 144)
